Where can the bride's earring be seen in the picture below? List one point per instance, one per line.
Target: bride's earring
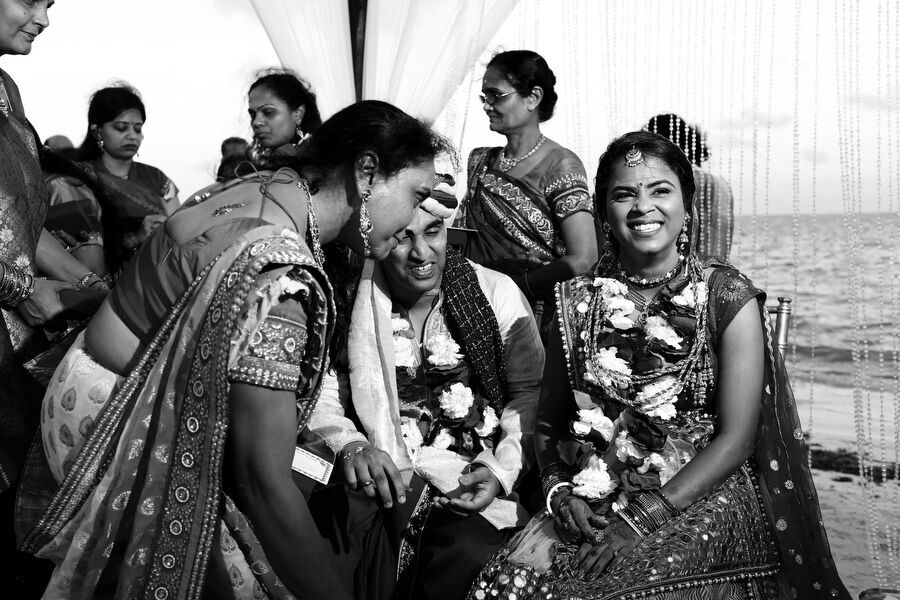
(365, 223)
(683, 236)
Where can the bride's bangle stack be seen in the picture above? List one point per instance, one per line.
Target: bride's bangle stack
(554, 478)
(15, 286)
(647, 512)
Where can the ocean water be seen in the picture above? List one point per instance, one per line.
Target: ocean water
(843, 274)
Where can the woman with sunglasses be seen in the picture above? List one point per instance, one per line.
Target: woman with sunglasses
(529, 199)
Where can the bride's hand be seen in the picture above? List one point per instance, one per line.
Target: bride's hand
(609, 548)
(574, 518)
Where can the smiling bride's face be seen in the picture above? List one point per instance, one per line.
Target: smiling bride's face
(645, 209)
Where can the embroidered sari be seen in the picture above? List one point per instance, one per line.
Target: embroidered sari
(519, 219)
(142, 510)
(22, 210)
(758, 535)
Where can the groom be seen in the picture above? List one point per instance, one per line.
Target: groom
(432, 425)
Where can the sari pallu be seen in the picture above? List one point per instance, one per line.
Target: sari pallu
(518, 224)
(141, 512)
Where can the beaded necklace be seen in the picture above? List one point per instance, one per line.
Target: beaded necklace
(506, 164)
(643, 283)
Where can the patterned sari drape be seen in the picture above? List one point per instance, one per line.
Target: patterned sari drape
(23, 207)
(142, 511)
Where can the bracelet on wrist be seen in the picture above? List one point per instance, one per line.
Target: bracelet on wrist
(562, 485)
(15, 286)
(86, 278)
(647, 512)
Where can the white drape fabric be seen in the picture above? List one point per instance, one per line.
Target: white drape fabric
(419, 51)
(312, 37)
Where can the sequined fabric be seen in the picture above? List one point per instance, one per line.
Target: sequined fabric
(273, 356)
(723, 538)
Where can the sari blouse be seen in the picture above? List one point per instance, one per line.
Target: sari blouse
(519, 219)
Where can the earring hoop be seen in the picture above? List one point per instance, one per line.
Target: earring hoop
(365, 223)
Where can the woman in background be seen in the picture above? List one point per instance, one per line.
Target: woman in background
(283, 112)
(529, 200)
(137, 197)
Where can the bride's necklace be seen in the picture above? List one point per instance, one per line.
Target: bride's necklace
(506, 163)
(643, 282)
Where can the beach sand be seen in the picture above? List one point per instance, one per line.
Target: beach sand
(842, 496)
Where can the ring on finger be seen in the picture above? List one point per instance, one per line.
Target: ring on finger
(366, 483)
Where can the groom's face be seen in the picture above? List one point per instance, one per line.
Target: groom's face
(417, 263)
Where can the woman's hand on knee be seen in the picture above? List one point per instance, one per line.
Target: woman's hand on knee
(373, 472)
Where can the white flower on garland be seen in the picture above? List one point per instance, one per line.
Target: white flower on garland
(618, 308)
(593, 482)
(489, 423)
(444, 351)
(610, 287)
(657, 328)
(691, 295)
(412, 437)
(593, 418)
(626, 448)
(443, 440)
(457, 400)
(406, 352)
(657, 398)
(654, 461)
(399, 324)
(607, 368)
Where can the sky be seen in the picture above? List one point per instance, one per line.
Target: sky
(617, 63)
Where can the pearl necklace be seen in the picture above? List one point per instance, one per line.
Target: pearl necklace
(506, 164)
(642, 282)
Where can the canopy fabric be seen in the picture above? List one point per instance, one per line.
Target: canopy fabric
(312, 37)
(417, 52)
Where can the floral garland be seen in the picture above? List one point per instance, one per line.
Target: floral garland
(439, 407)
(640, 368)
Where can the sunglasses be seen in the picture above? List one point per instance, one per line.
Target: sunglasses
(492, 98)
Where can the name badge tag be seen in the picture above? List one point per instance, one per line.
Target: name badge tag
(314, 467)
